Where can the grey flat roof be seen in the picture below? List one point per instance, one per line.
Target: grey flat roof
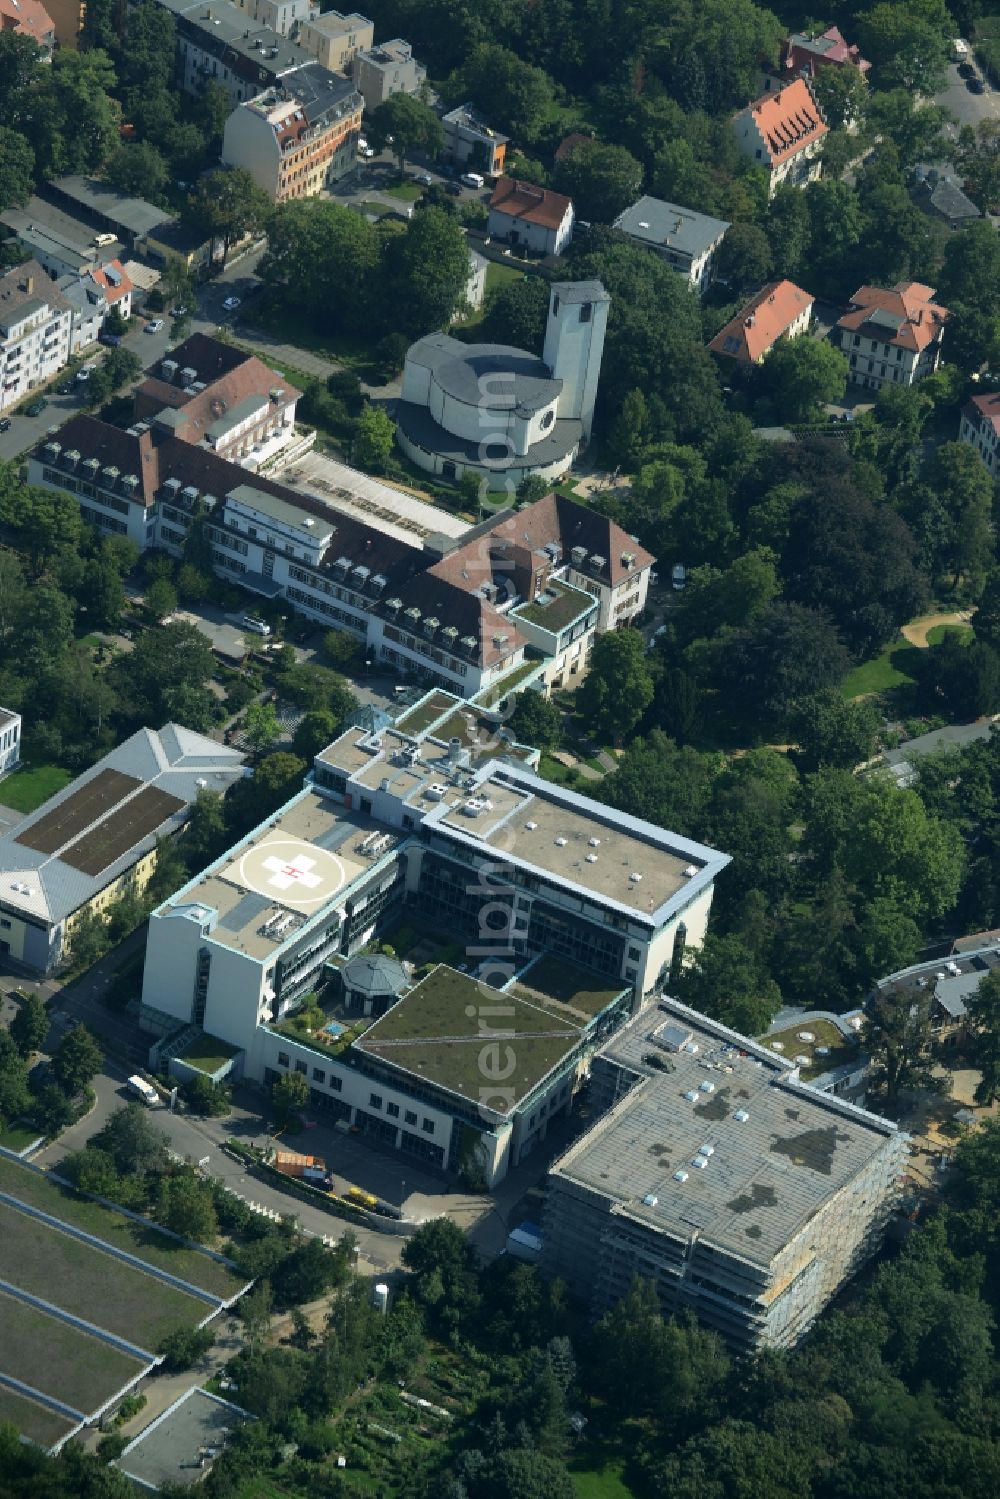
(496, 377)
(573, 292)
(167, 1451)
(280, 510)
(134, 214)
(50, 229)
(244, 409)
(681, 229)
(768, 1174)
(172, 759)
(225, 27)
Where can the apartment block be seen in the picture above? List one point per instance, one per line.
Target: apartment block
(783, 134)
(299, 136)
(390, 68)
(217, 42)
(891, 336)
(686, 240)
(283, 16)
(743, 1194)
(36, 324)
(471, 141)
(980, 428)
(334, 39)
(10, 740)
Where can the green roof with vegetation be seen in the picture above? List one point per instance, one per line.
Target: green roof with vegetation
(553, 981)
(828, 1048)
(505, 685)
(441, 1029)
(558, 607)
(427, 711)
(207, 1053)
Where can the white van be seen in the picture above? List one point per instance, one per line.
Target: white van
(960, 50)
(473, 179)
(139, 1086)
(255, 626)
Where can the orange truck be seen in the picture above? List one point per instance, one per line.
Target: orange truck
(305, 1167)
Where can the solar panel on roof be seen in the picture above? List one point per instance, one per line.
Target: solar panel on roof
(77, 812)
(122, 830)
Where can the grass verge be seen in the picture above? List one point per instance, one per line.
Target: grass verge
(28, 787)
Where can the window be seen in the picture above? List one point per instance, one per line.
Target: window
(319, 1076)
(631, 974)
(635, 954)
(375, 1100)
(586, 312)
(282, 1059)
(300, 1067)
(427, 1125)
(410, 1117)
(392, 1109)
(857, 340)
(336, 1083)
(5, 923)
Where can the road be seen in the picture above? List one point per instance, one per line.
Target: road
(967, 107)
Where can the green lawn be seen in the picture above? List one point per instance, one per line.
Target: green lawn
(18, 1137)
(91, 1284)
(937, 634)
(141, 1239)
(408, 191)
(600, 1483)
(28, 787)
(892, 667)
(208, 1053)
(57, 1360)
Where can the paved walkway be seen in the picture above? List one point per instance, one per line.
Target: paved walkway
(290, 354)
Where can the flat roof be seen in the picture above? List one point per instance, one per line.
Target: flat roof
(436, 1033)
(559, 985)
(262, 893)
(80, 840)
(279, 510)
(171, 1448)
(770, 1170)
(668, 224)
(134, 214)
(557, 607)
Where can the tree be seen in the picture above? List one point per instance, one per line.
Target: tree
(375, 439)
(830, 730)
(602, 180)
(907, 48)
(76, 1060)
(14, 1095)
(74, 115)
(314, 732)
(92, 1170)
(659, 781)
(30, 1025)
(535, 720)
(176, 655)
(88, 939)
(183, 1349)
(744, 258)
(523, 1473)
(516, 94)
(897, 1039)
(962, 675)
(408, 124)
(132, 1142)
(801, 374)
(205, 1097)
(963, 490)
(185, 1205)
(261, 727)
(425, 273)
(313, 245)
(342, 649)
(786, 653)
(618, 687)
(17, 169)
(842, 95)
(289, 1094)
(515, 314)
(228, 205)
(138, 169)
(205, 834)
(978, 160)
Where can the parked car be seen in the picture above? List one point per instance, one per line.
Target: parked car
(178, 312)
(455, 189)
(4, 423)
(424, 178)
(231, 304)
(154, 325)
(110, 340)
(975, 86)
(966, 70)
(37, 407)
(678, 577)
(66, 388)
(473, 179)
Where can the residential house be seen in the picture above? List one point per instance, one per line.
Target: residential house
(472, 143)
(299, 136)
(804, 56)
(10, 740)
(891, 336)
(780, 310)
(390, 68)
(939, 192)
(980, 428)
(68, 17)
(944, 986)
(29, 18)
(333, 38)
(92, 296)
(96, 841)
(686, 240)
(36, 324)
(530, 218)
(220, 398)
(783, 134)
(283, 16)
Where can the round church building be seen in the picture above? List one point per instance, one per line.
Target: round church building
(500, 412)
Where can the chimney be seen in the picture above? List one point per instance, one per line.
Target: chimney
(29, 285)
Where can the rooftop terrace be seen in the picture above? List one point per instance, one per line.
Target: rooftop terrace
(557, 607)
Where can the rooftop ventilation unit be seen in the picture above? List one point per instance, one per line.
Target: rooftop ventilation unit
(308, 522)
(594, 842)
(577, 556)
(690, 871)
(635, 877)
(706, 1150)
(705, 1086)
(475, 805)
(530, 826)
(691, 1095)
(699, 1162)
(561, 842)
(591, 858)
(741, 1116)
(680, 1176)
(691, 1047)
(436, 791)
(650, 1200)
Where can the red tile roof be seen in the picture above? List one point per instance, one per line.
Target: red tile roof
(909, 319)
(27, 18)
(113, 293)
(759, 325)
(815, 52)
(523, 200)
(788, 121)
